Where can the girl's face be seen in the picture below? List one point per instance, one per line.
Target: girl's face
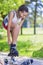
(23, 14)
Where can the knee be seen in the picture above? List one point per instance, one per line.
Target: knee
(17, 27)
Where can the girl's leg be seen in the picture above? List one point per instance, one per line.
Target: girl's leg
(10, 45)
(15, 34)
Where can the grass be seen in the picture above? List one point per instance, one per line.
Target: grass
(38, 53)
(33, 45)
(28, 45)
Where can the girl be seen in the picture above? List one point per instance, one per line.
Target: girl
(12, 23)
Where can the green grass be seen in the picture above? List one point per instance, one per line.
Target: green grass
(28, 45)
(33, 45)
(38, 53)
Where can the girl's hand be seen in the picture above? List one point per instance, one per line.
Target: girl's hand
(9, 41)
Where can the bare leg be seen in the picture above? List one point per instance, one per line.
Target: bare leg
(15, 34)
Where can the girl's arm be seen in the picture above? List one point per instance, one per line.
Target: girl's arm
(21, 23)
(9, 25)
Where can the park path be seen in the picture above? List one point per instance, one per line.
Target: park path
(21, 59)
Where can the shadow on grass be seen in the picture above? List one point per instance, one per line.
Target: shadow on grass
(38, 54)
(4, 47)
(1, 37)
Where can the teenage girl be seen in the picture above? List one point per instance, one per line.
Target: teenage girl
(12, 23)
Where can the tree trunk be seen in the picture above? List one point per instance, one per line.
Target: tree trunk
(35, 18)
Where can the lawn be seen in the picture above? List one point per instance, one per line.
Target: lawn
(28, 44)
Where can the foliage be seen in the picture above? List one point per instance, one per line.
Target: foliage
(7, 5)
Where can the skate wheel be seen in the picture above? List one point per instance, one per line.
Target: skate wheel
(6, 61)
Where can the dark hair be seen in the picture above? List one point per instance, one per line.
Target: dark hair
(23, 8)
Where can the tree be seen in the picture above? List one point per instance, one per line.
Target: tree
(35, 18)
(35, 11)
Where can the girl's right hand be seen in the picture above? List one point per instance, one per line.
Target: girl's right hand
(9, 41)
